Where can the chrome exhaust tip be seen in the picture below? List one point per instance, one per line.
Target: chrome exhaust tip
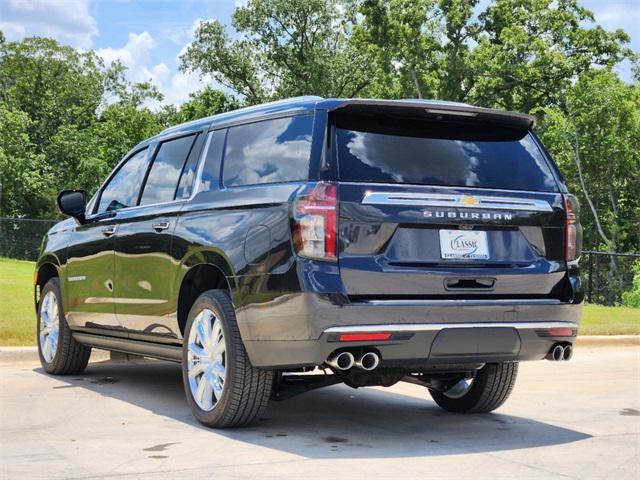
(341, 361)
(568, 353)
(369, 361)
(556, 353)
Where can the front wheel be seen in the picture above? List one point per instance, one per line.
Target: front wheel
(486, 390)
(59, 352)
(223, 389)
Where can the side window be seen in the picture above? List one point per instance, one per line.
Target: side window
(185, 186)
(210, 179)
(165, 171)
(122, 190)
(268, 151)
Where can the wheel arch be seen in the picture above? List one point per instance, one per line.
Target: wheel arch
(46, 269)
(201, 272)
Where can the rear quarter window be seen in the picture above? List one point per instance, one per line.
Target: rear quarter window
(268, 151)
(432, 155)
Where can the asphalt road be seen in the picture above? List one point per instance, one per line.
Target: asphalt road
(579, 419)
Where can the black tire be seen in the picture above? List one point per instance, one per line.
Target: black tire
(246, 389)
(490, 388)
(70, 357)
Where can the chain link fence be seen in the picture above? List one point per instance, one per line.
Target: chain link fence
(21, 237)
(606, 275)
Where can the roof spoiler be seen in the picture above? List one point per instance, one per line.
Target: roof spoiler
(437, 110)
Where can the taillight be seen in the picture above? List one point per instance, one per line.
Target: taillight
(573, 230)
(315, 221)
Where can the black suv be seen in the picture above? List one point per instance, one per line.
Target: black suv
(308, 242)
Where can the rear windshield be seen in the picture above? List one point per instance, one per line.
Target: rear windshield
(461, 156)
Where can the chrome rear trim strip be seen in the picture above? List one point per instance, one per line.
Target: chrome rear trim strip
(456, 201)
(431, 327)
(460, 303)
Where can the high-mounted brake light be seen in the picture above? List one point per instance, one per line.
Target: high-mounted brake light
(315, 221)
(573, 230)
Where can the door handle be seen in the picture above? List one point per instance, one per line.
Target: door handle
(109, 231)
(160, 226)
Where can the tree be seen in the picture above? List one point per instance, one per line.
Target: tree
(597, 132)
(285, 48)
(120, 90)
(66, 120)
(402, 38)
(205, 103)
(25, 179)
(53, 84)
(460, 30)
(514, 54)
(595, 138)
(530, 51)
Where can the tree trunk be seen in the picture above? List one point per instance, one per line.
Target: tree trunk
(582, 183)
(416, 82)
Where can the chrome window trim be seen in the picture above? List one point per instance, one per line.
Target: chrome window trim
(431, 327)
(203, 156)
(295, 112)
(456, 201)
(148, 205)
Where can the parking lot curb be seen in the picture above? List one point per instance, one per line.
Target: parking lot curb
(608, 341)
(12, 355)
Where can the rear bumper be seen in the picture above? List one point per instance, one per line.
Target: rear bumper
(300, 330)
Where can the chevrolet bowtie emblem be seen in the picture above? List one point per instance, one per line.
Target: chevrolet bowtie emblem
(467, 200)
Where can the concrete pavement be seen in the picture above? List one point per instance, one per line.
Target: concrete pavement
(579, 419)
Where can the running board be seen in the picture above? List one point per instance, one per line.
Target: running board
(136, 347)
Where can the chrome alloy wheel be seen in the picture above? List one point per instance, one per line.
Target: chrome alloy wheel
(49, 326)
(206, 360)
(461, 388)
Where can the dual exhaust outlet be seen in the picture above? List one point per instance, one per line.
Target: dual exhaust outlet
(560, 352)
(370, 360)
(346, 360)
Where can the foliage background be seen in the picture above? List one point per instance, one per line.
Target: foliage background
(66, 117)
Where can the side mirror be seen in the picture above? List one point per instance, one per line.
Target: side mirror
(72, 203)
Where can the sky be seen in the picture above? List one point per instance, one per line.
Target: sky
(149, 35)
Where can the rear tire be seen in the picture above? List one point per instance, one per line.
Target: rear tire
(59, 352)
(489, 389)
(222, 388)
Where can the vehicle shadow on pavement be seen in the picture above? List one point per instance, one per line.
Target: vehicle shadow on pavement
(334, 422)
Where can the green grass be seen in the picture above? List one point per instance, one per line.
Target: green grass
(17, 317)
(601, 320)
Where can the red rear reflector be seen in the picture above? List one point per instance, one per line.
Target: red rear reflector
(561, 332)
(363, 337)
